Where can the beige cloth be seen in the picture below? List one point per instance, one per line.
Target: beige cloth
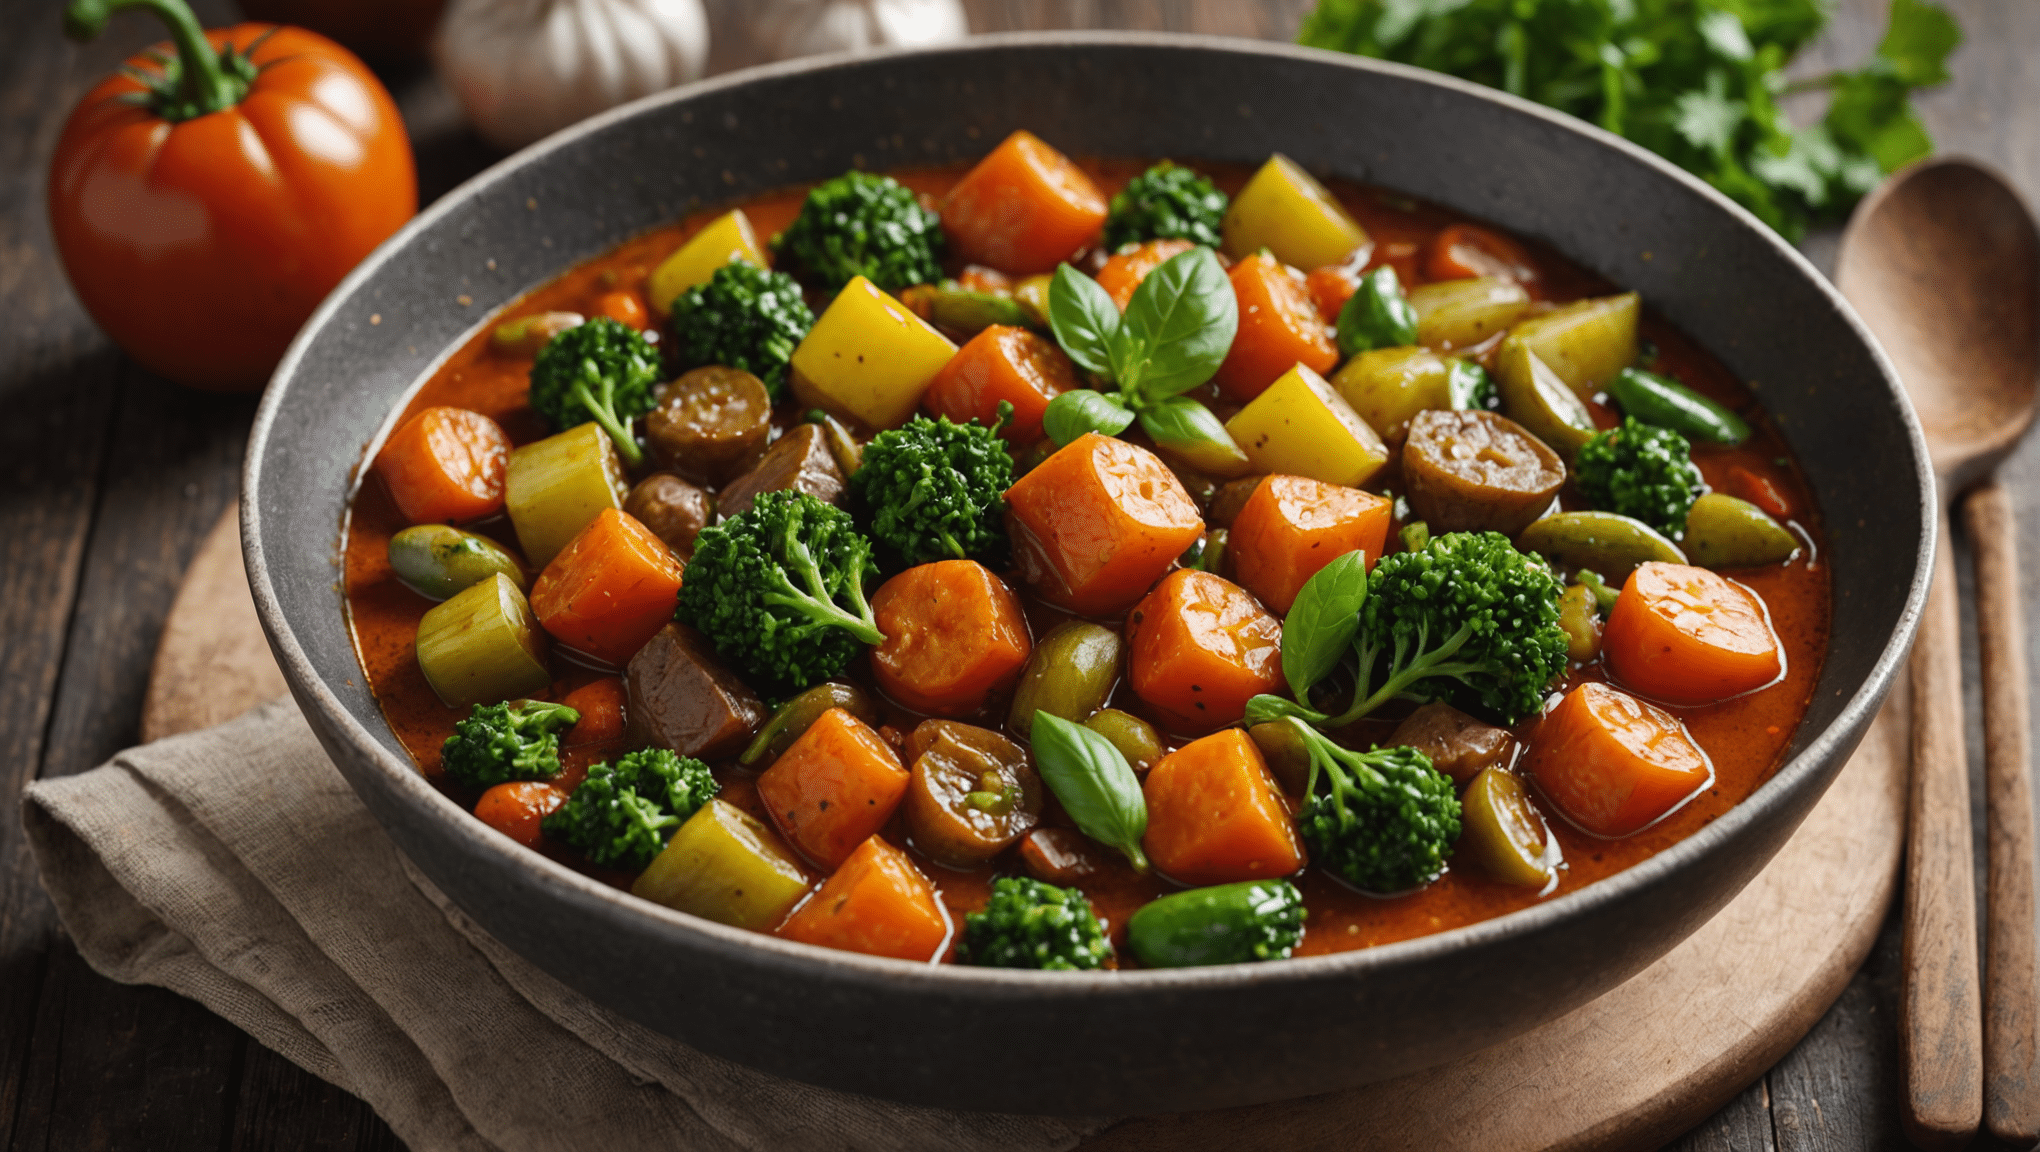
(235, 866)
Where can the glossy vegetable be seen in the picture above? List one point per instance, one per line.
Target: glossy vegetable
(1641, 471)
(1462, 313)
(1094, 784)
(1467, 250)
(1477, 471)
(1584, 343)
(1389, 386)
(1135, 738)
(1215, 816)
(1323, 622)
(1502, 833)
(1285, 210)
(1001, 365)
(869, 357)
(610, 590)
(1456, 744)
(1199, 647)
(482, 645)
(1024, 208)
(936, 490)
(1654, 399)
(1758, 490)
(1226, 924)
(555, 487)
(1070, 674)
(836, 785)
(972, 793)
(603, 371)
(742, 317)
(1063, 856)
(671, 509)
(624, 812)
(877, 903)
(1580, 615)
(791, 719)
(1097, 523)
(1124, 270)
(1377, 315)
(1301, 426)
(1724, 532)
(1614, 764)
(710, 424)
(436, 561)
(1688, 636)
(1278, 329)
(1533, 396)
(1385, 819)
(1601, 541)
(727, 237)
(863, 224)
(800, 461)
(204, 208)
(1029, 924)
(525, 335)
(601, 703)
(954, 635)
(726, 866)
(518, 809)
(1291, 527)
(497, 743)
(1286, 752)
(445, 464)
(1166, 202)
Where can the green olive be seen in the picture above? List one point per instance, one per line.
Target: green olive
(1502, 832)
(1288, 757)
(1535, 397)
(1724, 532)
(794, 716)
(1070, 674)
(525, 335)
(1580, 616)
(1603, 541)
(1135, 738)
(438, 561)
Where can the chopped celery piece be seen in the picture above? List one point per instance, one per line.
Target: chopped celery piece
(558, 485)
(482, 646)
(723, 865)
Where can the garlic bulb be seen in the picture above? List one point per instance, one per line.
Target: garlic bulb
(803, 27)
(526, 68)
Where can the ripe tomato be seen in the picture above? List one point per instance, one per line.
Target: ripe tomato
(203, 218)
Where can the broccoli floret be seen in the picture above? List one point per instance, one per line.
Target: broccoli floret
(864, 225)
(1385, 819)
(1643, 472)
(1029, 924)
(497, 743)
(624, 812)
(1166, 203)
(779, 589)
(601, 371)
(743, 317)
(936, 490)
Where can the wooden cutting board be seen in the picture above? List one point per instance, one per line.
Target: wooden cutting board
(1631, 1070)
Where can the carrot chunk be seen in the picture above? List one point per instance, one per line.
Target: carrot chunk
(1614, 764)
(1023, 209)
(446, 464)
(1199, 647)
(877, 903)
(624, 308)
(1125, 270)
(1096, 524)
(833, 787)
(516, 809)
(1279, 328)
(954, 634)
(1758, 490)
(1465, 252)
(1330, 287)
(1002, 363)
(600, 703)
(1292, 526)
(1214, 815)
(611, 589)
(1690, 636)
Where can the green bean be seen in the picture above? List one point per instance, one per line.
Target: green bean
(1654, 399)
(436, 561)
(1724, 532)
(1603, 541)
(1226, 924)
(794, 716)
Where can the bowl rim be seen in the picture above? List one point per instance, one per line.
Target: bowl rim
(1801, 771)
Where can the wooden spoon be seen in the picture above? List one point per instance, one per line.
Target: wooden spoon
(1943, 263)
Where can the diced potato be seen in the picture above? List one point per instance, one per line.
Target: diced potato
(1285, 210)
(482, 646)
(1389, 386)
(1302, 427)
(1534, 396)
(1461, 313)
(868, 357)
(725, 865)
(727, 237)
(557, 486)
(1584, 343)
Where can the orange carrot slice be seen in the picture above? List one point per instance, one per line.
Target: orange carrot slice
(1200, 647)
(1279, 329)
(1023, 209)
(1292, 526)
(1124, 271)
(1614, 764)
(877, 903)
(446, 464)
(1002, 363)
(1096, 524)
(1690, 636)
(833, 788)
(954, 634)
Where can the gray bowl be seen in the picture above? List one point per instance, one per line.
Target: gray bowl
(1103, 1042)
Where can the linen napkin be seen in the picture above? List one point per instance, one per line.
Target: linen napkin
(235, 866)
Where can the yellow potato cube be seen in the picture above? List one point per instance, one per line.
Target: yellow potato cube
(1462, 313)
(1389, 386)
(727, 237)
(1302, 427)
(1285, 210)
(1584, 343)
(868, 357)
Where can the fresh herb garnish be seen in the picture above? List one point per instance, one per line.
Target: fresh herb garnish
(1377, 315)
(1094, 783)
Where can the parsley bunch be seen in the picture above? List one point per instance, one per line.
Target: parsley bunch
(1696, 81)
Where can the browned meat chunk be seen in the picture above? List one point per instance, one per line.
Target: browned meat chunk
(673, 509)
(681, 698)
(710, 423)
(1477, 471)
(1458, 745)
(800, 459)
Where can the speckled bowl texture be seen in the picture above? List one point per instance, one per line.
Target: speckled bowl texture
(1077, 1043)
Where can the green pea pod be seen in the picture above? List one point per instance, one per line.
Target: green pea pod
(438, 562)
(1187, 430)
(1081, 410)
(1377, 315)
(1654, 399)
(1094, 783)
(1227, 924)
(954, 306)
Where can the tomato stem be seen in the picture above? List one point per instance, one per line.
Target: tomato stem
(198, 82)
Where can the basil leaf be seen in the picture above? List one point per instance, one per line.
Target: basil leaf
(1081, 410)
(1178, 327)
(1322, 622)
(1377, 315)
(1187, 429)
(1471, 388)
(1265, 709)
(1094, 783)
(1084, 319)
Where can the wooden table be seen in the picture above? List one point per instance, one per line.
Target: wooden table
(109, 477)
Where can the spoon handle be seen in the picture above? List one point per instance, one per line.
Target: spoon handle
(1940, 1018)
(2011, 1048)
